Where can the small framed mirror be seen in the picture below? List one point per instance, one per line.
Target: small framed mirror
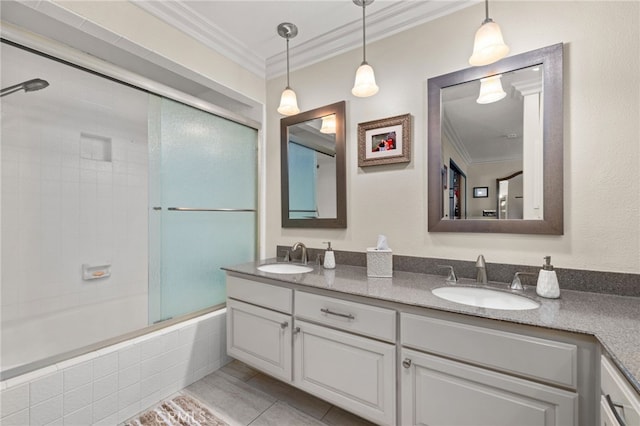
(501, 123)
(313, 168)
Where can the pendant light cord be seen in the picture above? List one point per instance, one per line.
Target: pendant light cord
(364, 37)
(486, 13)
(288, 62)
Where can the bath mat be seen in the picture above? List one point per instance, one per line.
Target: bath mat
(181, 410)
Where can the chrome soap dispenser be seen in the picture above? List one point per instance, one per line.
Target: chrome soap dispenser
(329, 257)
(548, 281)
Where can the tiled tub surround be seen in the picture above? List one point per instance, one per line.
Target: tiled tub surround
(110, 385)
(614, 320)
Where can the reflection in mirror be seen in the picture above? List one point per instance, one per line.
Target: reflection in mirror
(483, 129)
(313, 168)
(481, 141)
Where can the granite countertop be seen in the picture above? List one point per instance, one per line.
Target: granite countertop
(613, 320)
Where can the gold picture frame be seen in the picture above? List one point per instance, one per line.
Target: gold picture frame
(385, 141)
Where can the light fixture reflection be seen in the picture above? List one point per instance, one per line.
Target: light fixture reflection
(365, 83)
(328, 124)
(489, 45)
(491, 90)
(288, 99)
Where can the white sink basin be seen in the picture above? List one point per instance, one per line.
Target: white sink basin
(284, 268)
(485, 298)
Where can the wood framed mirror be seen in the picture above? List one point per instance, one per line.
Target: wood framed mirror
(473, 143)
(313, 168)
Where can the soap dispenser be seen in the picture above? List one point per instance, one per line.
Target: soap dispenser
(329, 257)
(548, 281)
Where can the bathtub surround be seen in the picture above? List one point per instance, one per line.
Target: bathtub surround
(113, 384)
(621, 284)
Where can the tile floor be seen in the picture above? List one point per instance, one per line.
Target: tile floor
(243, 396)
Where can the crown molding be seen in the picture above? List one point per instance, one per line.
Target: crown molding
(398, 16)
(183, 18)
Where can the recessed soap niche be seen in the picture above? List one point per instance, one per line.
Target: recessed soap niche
(95, 147)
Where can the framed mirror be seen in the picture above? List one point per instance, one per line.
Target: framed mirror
(313, 168)
(487, 123)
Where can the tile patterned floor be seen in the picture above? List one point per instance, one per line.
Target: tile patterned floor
(243, 396)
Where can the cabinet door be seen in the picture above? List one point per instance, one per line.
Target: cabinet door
(353, 372)
(437, 391)
(260, 338)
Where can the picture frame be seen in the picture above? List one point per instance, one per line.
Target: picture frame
(385, 141)
(480, 192)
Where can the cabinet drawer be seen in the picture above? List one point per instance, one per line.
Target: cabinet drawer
(626, 400)
(553, 362)
(257, 293)
(358, 318)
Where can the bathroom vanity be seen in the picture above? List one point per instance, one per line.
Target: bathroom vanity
(389, 351)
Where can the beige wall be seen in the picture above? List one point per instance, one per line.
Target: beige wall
(131, 22)
(601, 139)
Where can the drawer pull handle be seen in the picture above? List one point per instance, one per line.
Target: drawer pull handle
(614, 409)
(327, 311)
(284, 325)
(406, 363)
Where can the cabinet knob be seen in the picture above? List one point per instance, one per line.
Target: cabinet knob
(284, 325)
(406, 363)
(296, 330)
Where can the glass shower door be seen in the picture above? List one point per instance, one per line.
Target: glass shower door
(203, 197)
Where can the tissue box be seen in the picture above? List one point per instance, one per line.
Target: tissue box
(379, 263)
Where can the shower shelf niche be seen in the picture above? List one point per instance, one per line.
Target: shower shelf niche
(94, 272)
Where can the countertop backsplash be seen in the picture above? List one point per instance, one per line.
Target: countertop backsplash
(621, 284)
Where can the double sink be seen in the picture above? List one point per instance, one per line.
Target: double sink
(481, 297)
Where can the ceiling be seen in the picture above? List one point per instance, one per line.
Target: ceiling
(245, 31)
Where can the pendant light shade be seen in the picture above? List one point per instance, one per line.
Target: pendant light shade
(491, 90)
(288, 99)
(328, 124)
(288, 102)
(365, 83)
(489, 45)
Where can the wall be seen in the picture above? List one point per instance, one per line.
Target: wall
(601, 156)
(153, 37)
(108, 386)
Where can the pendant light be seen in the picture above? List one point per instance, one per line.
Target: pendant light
(288, 100)
(365, 84)
(491, 89)
(488, 46)
(328, 124)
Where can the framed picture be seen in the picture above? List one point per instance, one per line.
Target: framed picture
(480, 192)
(385, 141)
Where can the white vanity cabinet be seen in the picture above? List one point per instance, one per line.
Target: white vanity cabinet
(619, 404)
(352, 371)
(459, 374)
(259, 324)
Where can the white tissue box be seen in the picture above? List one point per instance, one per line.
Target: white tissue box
(379, 263)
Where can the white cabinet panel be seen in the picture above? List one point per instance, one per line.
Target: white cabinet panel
(626, 400)
(437, 391)
(259, 337)
(379, 323)
(257, 293)
(353, 372)
(548, 360)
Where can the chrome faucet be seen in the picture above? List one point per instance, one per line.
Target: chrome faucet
(481, 266)
(303, 258)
